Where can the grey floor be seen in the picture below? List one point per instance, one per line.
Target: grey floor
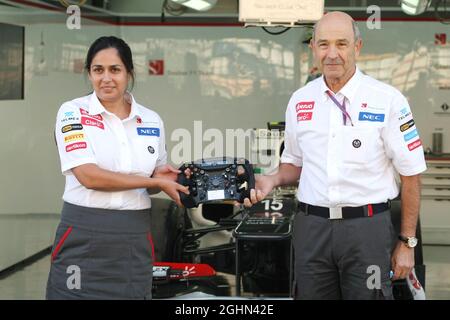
(29, 283)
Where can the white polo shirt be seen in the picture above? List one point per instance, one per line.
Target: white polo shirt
(87, 133)
(345, 165)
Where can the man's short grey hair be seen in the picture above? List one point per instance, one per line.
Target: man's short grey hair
(356, 31)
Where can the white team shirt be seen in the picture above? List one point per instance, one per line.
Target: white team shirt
(344, 165)
(87, 133)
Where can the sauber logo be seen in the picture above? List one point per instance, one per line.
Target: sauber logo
(304, 116)
(95, 116)
(304, 106)
(92, 123)
(414, 145)
(75, 146)
(156, 67)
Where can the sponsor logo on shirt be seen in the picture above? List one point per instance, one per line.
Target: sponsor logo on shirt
(148, 132)
(364, 105)
(407, 125)
(414, 145)
(151, 149)
(405, 112)
(74, 137)
(138, 120)
(71, 127)
(304, 116)
(65, 119)
(308, 105)
(95, 116)
(373, 117)
(356, 143)
(68, 114)
(405, 116)
(92, 122)
(410, 135)
(75, 146)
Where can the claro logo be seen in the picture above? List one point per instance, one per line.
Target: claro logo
(92, 122)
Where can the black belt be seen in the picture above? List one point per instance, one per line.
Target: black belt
(347, 212)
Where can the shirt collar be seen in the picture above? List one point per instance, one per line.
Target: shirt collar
(96, 107)
(349, 89)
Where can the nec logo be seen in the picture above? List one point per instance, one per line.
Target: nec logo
(304, 106)
(374, 117)
(148, 132)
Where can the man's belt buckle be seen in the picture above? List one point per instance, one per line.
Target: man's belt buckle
(335, 213)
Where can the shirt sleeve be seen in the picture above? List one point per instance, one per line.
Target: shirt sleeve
(74, 147)
(291, 153)
(162, 152)
(401, 138)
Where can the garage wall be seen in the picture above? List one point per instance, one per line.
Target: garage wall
(228, 77)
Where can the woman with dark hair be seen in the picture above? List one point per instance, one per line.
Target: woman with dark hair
(112, 153)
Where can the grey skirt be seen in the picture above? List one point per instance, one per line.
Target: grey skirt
(101, 254)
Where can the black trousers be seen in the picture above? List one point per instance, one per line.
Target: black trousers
(343, 259)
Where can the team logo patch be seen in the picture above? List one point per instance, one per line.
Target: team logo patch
(75, 146)
(404, 111)
(404, 116)
(65, 119)
(304, 116)
(95, 116)
(407, 125)
(151, 149)
(148, 132)
(414, 145)
(356, 143)
(308, 105)
(373, 117)
(74, 137)
(410, 135)
(92, 122)
(71, 127)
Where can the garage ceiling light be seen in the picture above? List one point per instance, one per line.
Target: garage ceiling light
(199, 5)
(415, 7)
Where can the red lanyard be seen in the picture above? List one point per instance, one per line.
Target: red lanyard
(345, 114)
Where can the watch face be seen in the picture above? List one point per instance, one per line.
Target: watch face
(412, 242)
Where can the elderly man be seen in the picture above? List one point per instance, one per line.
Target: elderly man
(348, 137)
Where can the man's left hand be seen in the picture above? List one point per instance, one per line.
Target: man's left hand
(402, 261)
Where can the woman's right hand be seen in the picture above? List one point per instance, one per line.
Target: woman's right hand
(171, 188)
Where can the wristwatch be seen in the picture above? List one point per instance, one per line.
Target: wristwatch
(410, 242)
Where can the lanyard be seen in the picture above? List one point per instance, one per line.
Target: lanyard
(345, 114)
